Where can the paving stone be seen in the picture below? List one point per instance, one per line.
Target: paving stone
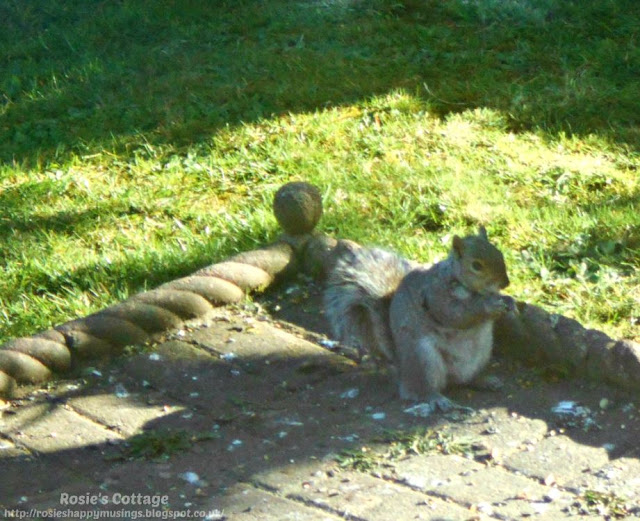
(559, 458)
(25, 479)
(356, 495)
(251, 339)
(536, 510)
(122, 478)
(128, 415)
(137, 503)
(189, 375)
(244, 503)
(620, 476)
(491, 484)
(500, 431)
(51, 427)
(48, 501)
(194, 376)
(495, 491)
(191, 477)
(8, 450)
(430, 473)
(173, 355)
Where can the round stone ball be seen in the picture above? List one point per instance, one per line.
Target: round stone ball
(298, 207)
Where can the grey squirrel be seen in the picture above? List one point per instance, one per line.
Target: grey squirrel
(431, 325)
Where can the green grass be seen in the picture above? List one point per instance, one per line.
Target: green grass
(608, 504)
(394, 446)
(140, 141)
(161, 444)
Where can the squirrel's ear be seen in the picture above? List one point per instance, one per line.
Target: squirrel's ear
(458, 246)
(482, 232)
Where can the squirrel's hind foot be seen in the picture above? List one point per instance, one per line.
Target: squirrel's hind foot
(433, 403)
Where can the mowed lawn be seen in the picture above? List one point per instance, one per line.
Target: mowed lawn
(140, 141)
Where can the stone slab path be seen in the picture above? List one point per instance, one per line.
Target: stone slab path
(244, 416)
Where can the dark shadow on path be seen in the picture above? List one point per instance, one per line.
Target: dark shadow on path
(278, 405)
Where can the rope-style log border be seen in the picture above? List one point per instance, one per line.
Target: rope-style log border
(532, 335)
(142, 317)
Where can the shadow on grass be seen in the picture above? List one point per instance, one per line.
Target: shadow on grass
(79, 77)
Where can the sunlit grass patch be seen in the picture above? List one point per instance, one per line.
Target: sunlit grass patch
(140, 142)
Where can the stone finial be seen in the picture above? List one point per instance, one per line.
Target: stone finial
(297, 207)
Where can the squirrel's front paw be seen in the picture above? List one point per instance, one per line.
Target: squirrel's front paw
(509, 303)
(500, 304)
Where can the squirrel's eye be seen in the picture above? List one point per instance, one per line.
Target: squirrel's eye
(476, 265)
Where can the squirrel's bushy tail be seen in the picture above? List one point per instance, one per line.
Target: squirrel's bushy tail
(357, 298)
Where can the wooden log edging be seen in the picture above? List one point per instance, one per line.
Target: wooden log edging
(142, 317)
(531, 335)
(542, 338)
